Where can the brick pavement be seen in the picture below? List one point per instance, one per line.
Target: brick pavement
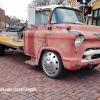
(74, 85)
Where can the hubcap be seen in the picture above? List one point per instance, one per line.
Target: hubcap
(50, 64)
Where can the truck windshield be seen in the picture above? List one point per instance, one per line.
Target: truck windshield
(65, 15)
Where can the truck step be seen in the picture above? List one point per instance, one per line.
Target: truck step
(30, 62)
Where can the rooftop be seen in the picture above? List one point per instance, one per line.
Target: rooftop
(55, 6)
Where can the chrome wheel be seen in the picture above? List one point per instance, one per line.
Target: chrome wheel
(50, 64)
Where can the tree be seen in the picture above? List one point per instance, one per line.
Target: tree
(60, 2)
(13, 21)
(37, 3)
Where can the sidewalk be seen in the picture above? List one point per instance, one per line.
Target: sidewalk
(82, 84)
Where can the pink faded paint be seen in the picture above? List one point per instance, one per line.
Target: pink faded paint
(37, 39)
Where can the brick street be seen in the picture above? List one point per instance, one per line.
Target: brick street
(83, 84)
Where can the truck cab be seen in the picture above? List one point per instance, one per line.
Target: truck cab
(61, 40)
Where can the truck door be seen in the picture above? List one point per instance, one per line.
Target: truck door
(41, 22)
(35, 36)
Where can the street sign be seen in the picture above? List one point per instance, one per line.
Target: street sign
(87, 10)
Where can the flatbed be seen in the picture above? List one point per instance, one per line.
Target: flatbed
(8, 41)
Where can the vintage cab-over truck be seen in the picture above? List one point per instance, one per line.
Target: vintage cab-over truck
(59, 40)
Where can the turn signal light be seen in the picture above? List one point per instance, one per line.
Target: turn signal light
(68, 28)
(76, 50)
(63, 4)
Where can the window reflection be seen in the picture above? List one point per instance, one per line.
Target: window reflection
(98, 22)
(95, 13)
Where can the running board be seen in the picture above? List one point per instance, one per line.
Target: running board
(30, 62)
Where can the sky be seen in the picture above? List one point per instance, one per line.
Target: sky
(16, 8)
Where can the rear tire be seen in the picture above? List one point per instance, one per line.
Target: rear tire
(2, 49)
(52, 64)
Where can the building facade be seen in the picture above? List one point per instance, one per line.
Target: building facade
(96, 12)
(7, 21)
(2, 19)
(94, 17)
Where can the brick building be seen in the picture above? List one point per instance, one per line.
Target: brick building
(2, 19)
(6, 22)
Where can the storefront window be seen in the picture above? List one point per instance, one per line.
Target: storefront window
(95, 13)
(94, 22)
(99, 13)
(98, 22)
(96, 17)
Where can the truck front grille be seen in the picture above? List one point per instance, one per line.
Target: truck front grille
(97, 56)
(91, 54)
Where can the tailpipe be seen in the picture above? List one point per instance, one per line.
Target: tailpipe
(91, 65)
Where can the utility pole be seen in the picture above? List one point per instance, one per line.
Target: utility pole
(84, 4)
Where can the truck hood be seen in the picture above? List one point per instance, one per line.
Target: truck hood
(90, 32)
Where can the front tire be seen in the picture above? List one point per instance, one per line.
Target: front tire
(2, 49)
(52, 64)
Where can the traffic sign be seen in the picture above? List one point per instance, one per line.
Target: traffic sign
(87, 10)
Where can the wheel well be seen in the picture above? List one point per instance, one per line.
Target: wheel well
(43, 52)
(41, 56)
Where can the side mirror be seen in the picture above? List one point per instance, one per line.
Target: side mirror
(31, 16)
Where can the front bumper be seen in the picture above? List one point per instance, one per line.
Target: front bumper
(74, 64)
(77, 61)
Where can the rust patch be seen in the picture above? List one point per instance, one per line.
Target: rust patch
(64, 47)
(78, 67)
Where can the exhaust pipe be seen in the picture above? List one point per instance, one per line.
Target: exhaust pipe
(90, 65)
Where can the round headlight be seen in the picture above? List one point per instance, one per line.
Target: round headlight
(79, 40)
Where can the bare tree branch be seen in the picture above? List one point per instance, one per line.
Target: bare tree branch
(37, 3)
